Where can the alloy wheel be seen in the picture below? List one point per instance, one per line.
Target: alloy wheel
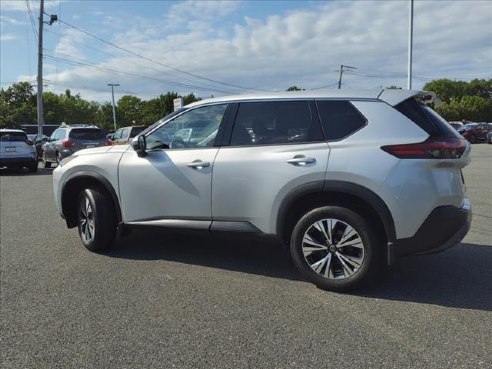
(333, 249)
(87, 226)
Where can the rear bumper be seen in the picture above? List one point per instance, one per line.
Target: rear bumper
(444, 227)
(10, 162)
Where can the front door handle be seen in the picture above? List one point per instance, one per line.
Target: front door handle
(301, 160)
(198, 164)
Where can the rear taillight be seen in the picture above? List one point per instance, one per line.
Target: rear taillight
(432, 148)
(67, 143)
(108, 143)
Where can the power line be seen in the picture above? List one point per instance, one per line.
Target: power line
(202, 86)
(33, 23)
(157, 62)
(133, 75)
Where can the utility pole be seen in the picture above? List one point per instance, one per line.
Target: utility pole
(410, 46)
(341, 73)
(113, 85)
(53, 18)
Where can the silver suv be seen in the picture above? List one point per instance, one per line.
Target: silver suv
(346, 180)
(17, 151)
(66, 140)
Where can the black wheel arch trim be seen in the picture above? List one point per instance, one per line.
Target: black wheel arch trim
(99, 178)
(348, 188)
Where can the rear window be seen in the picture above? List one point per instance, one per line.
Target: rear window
(426, 118)
(87, 133)
(13, 136)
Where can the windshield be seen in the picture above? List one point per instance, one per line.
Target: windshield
(13, 136)
(167, 117)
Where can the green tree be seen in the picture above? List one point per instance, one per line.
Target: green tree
(295, 88)
(129, 108)
(17, 105)
(463, 100)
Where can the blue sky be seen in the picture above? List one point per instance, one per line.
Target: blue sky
(228, 47)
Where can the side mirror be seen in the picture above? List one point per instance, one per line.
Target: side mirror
(29, 142)
(139, 144)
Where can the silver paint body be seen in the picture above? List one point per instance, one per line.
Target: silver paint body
(248, 183)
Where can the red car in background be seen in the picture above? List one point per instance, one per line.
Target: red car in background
(476, 131)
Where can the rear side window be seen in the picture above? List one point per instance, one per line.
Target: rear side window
(339, 119)
(91, 134)
(13, 136)
(274, 122)
(426, 118)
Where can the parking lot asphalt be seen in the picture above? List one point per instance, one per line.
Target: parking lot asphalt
(199, 301)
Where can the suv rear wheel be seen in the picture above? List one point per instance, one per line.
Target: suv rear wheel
(96, 219)
(335, 248)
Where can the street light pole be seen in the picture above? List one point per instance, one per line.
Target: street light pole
(40, 70)
(113, 85)
(410, 46)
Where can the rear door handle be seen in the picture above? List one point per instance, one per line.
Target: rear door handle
(301, 160)
(198, 164)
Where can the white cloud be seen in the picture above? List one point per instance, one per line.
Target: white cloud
(69, 45)
(10, 21)
(303, 47)
(19, 5)
(8, 37)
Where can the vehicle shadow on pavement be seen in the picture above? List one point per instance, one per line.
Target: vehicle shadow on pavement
(242, 253)
(460, 277)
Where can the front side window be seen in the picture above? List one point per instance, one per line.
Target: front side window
(196, 128)
(274, 122)
(339, 119)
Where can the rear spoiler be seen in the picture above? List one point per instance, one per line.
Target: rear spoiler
(396, 96)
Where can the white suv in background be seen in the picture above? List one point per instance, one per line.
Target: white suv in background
(348, 180)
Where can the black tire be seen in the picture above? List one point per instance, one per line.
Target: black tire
(33, 168)
(97, 224)
(473, 139)
(332, 275)
(46, 163)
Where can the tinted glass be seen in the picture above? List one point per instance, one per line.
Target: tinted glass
(274, 122)
(339, 119)
(89, 134)
(193, 129)
(13, 136)
(426, 118)
(135, 131)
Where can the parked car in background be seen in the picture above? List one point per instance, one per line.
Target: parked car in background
(66, 140)
(476, 132)
(489, 137)
(125, 134)
(456, 125)
(347, 180)
(16, 150)
(39, 141)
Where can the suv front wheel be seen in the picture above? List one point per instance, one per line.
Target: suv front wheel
(335, 248)
(96, 219)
